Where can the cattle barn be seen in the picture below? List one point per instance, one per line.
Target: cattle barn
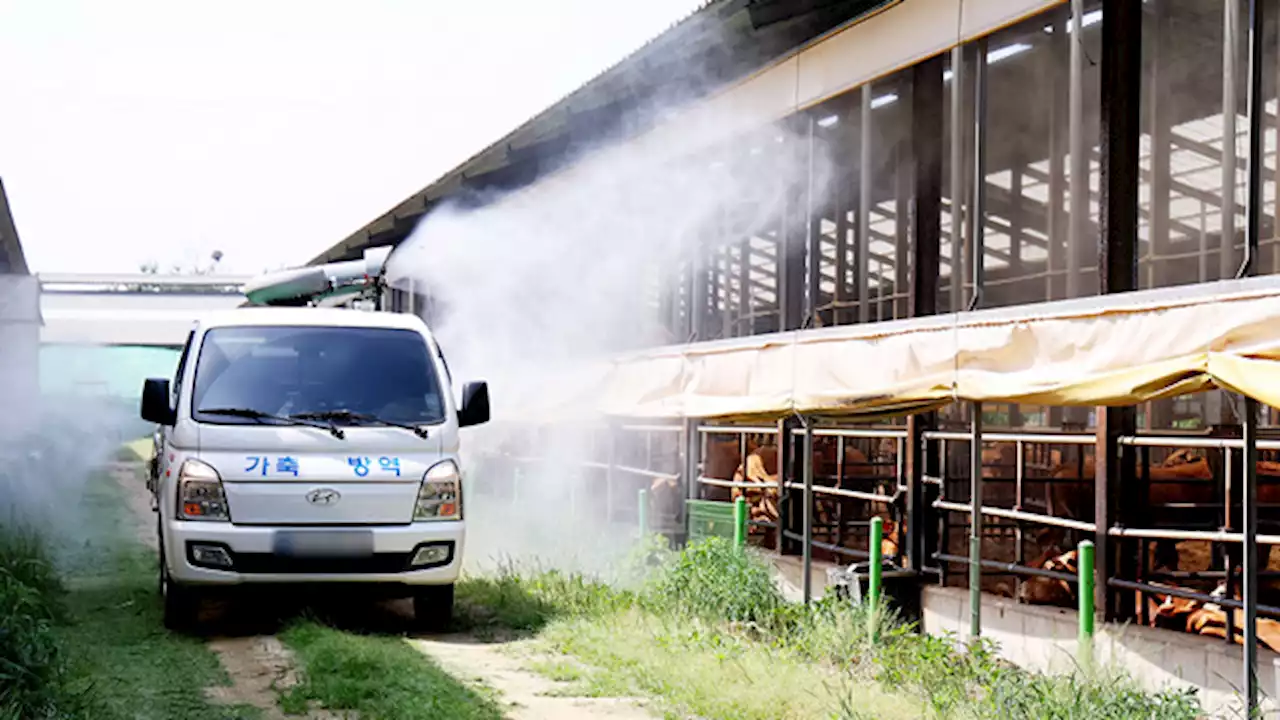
(1006, 270)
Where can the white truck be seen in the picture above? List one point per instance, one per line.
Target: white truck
(310, 445)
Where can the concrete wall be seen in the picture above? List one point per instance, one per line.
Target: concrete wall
(19, 350)
(1044, 639)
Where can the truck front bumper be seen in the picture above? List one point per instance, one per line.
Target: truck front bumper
(206, 553)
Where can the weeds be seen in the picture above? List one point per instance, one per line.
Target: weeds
(707, 632)
(31, 596)
(714, 580)
(526, 602)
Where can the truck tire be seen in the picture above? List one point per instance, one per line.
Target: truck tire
(433, 607)
(181, 604)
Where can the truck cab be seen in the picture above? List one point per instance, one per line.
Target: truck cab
(310, 445)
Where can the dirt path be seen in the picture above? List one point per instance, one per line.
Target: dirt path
(129, 476)
(257, 665)
(528, 695)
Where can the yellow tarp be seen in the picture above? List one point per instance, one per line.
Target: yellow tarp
(1116, 350)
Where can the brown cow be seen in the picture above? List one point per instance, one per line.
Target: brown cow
(762, 467)
(1210, 619)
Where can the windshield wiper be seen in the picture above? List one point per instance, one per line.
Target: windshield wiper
(260, 415)
(343, 414)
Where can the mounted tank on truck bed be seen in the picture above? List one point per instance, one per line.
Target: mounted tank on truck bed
(299, 443)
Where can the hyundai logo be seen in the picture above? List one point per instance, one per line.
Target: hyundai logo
(323, 496)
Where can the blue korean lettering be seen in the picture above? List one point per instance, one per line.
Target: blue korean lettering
(287, 465)
(360, 464)
(390, 464)
(256, 463)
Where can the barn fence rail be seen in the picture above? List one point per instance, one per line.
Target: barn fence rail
(815, 489)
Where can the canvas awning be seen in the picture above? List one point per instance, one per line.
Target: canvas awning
(1112, 350)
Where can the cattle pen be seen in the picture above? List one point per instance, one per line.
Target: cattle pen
(823, 430)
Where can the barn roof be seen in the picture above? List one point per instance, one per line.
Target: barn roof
(12, 261)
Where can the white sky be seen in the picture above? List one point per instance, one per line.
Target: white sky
(135, 131)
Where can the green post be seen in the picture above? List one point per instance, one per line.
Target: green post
(873, 581)
(740, 522)
(644, 512)
(1084, 568)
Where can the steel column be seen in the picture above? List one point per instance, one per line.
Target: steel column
(978, 208)
(926, 134)
(864, 206)
(691, 442)
(900, 304)
(975, 523)
(841, 292)
(1253, 229)
(807, 513)
(1059, 240)
(1078, 176)
(1230, 108)
(1250, 553)
(813, 238)
(956, 191)
(1161, 147)
(926, 151)
(786, 452)
(1119, 134)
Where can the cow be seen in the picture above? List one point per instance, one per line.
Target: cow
(1195, 616)
(723, 462)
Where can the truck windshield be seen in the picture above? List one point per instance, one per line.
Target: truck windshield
(369, 374)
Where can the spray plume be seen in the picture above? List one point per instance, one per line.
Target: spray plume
(51, 461)
(533, 289)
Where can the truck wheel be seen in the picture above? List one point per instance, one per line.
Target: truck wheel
(433, 607)
(181, 604)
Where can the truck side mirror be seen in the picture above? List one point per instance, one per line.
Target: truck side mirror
(475, 404)
(155, 402)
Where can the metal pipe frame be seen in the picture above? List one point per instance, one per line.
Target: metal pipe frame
(733, 483)
(1022, 517)
(853, 494)
(1187, 595)
(1041, 438)
(1219, 536)
(736, 430)
(1007, 568)
(859, 433)
(1174, 441)
(850, 553)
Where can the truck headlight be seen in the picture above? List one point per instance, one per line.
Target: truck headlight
(440, 497)
(200, 495)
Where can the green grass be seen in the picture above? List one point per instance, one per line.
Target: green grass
(93, 646)
(124, 663)
(377, 676)
(31, 596)
(706, 633)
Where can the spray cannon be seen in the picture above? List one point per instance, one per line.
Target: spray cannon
(331, 283)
